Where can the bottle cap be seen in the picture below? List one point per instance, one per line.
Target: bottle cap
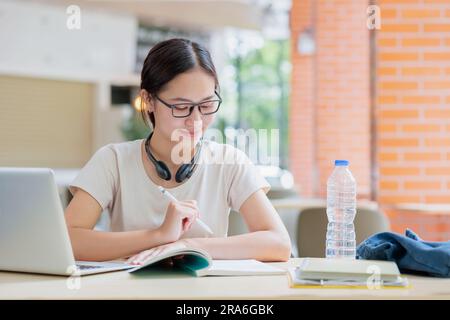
(340, 163)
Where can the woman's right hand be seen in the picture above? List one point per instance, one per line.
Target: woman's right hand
(179, 217)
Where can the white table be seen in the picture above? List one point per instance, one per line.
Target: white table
(172, 285)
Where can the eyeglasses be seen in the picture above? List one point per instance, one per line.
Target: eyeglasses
(183, 110)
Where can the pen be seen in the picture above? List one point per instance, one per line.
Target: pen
(171, 197)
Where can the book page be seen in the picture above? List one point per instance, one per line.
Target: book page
(242, 267)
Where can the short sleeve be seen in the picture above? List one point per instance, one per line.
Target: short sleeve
(244, 179)
(99, 177)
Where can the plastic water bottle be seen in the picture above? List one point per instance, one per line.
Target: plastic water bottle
(341, 211)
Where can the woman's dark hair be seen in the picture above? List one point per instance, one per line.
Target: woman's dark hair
(169, 58)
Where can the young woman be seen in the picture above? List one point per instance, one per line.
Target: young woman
(179, 88)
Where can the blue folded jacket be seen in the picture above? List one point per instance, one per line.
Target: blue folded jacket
(412, 254)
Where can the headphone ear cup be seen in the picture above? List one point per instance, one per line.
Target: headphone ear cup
(186, 170)
(162, 170)
(190, 172)
(183, 172)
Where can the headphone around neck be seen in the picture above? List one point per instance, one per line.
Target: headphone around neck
(184, 172)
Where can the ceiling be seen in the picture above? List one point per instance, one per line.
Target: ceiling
(194, 14)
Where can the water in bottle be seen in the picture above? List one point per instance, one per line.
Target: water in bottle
(341, 211)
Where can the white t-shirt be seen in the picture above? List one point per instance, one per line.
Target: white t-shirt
(115, 176)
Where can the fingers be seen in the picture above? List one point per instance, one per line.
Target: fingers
(155, 253)
(189, 213)
(148, 254)
(138, 257)
(185, 224)
(131, 259)
(190, 204)
(185, 212)
(185, 205)
(193, 205)
(189, 219)
(141, 257)
(189, 224)
(182, 205)
(193, 209)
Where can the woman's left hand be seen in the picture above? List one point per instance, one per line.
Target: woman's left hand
(144, 256)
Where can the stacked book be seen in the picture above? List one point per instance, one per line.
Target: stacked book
(346, 273)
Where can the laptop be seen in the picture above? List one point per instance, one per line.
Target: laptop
(33, 232)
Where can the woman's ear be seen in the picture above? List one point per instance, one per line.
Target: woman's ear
(146, 100)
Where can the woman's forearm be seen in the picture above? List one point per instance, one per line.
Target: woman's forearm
(91, 245)
(259, 245)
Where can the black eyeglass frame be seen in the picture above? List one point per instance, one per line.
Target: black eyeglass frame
(192, 105)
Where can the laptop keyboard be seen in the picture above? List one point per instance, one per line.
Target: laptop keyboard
(87, 267)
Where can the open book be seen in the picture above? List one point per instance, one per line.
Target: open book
(346, 273)
(199, 263)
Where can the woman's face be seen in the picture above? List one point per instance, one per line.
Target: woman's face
(193, 86)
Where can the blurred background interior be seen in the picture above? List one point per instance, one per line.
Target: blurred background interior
(315, 69)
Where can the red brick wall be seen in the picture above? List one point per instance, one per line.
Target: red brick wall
(330, 106)
(413, 110)
(433, 225)
(301, 117)
(342, 90)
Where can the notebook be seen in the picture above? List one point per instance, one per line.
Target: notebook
(199, 263)
(347, 273)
